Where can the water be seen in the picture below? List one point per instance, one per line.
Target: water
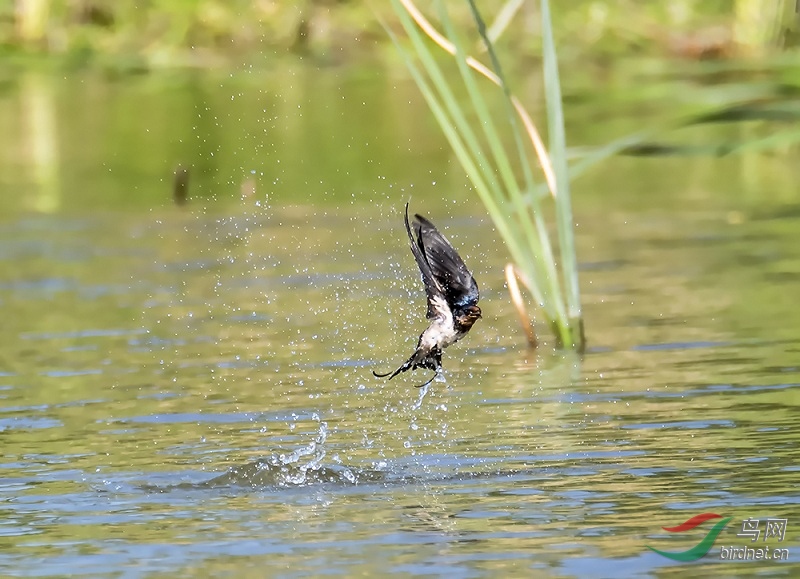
(187, 391)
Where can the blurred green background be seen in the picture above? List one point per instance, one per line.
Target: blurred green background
(137, 35)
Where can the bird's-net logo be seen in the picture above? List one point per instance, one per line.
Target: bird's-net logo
(770, 529)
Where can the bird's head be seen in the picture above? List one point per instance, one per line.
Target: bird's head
(467, 317)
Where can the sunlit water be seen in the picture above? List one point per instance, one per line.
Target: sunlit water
(188, 391)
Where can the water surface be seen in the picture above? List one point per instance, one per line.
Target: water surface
(187, 391)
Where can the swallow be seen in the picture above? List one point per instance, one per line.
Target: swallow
(452, 297)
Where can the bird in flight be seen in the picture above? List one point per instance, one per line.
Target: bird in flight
(452, 297)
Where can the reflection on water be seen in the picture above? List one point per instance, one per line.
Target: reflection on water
(37, 104)
(187, 391)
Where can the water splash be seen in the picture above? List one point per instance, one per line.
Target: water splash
(316, 450)
(422, 392)
(299, 468)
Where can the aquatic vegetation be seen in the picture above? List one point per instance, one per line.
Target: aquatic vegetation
(515, 204)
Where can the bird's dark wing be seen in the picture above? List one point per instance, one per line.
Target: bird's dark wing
(446, 266)
(433, 289)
